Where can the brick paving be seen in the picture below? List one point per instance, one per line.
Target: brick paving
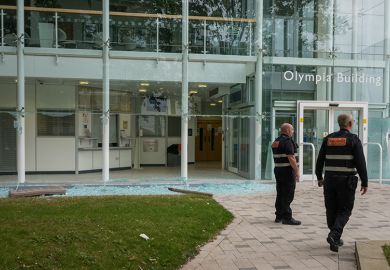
(253, 241)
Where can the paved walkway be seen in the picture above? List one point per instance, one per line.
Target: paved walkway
(253, 241)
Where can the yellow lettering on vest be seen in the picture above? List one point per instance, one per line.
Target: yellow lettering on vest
(337, 141)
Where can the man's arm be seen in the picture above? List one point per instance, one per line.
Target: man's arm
(289, 151)
(321, 160)
(294, 165)
(360, 163)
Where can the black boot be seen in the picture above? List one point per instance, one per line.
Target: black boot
(333, 244)
(291, 221)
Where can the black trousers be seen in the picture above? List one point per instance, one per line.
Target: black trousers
(285, 189)
(339, 194)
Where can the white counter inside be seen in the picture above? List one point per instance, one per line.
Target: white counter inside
(91, 158)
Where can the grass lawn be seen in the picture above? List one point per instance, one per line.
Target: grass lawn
(103, 232)
(386, 250)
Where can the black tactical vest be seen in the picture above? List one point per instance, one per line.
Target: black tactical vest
(279, 151)
(339, 155)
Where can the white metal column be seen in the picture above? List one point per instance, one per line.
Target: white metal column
(354, 45)
(258, 86)
(386, 85)
(106, 91)
(184, 93)
(330, 46)
(21, 133)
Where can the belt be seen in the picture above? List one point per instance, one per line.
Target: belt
(282, 165)
(283, 155)
(340, 157)
(339, 169)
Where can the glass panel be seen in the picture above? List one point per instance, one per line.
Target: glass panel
(228, 38)
(244, 144)
(54, 123)
(40, 29)
(152, 126)
(7, 143)
(80, 31)
(174, 126)
(315, 129)
(97, 129)
(197, 34)
(10, 28)
(170, 35)
(133, 34)
(233, 133)
(378, 132)
(314, 28)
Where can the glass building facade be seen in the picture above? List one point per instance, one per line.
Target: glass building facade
(312, 50)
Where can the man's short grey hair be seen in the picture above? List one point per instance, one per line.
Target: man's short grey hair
(344, 120)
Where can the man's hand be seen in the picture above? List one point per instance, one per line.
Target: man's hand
(297, 176)
(320, 182)
(363, 190)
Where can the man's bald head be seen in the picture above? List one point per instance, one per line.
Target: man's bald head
(287, 129)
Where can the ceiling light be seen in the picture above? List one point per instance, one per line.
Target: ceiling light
(142, 90)
(193, 92)
(220, 101)
(213, 104)
(202, 85)
(83, 83)
(145, 84)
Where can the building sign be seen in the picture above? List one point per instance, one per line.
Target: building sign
(340, 77)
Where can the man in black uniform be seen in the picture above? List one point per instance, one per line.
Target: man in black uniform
(342, 153)
(286, 170)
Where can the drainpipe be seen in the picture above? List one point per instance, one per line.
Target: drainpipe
(258, 86)
(20, 121)
(106, 91)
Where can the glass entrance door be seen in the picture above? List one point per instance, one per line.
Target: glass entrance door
(319, 118)
(239, 138)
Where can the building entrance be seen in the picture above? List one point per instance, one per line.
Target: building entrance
(208, 142)
(324, 121)
(314, 120)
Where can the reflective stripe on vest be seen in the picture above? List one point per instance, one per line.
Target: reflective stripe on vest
(282, 165)
(339, 169)
(283, 155)
(340, 157)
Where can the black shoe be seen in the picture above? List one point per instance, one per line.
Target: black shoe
(291, 222)
(341, 243)
(333, 244)
(278, 220)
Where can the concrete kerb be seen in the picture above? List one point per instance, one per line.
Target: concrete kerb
(369, 255)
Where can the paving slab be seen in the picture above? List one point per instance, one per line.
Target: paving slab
(254, 241)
